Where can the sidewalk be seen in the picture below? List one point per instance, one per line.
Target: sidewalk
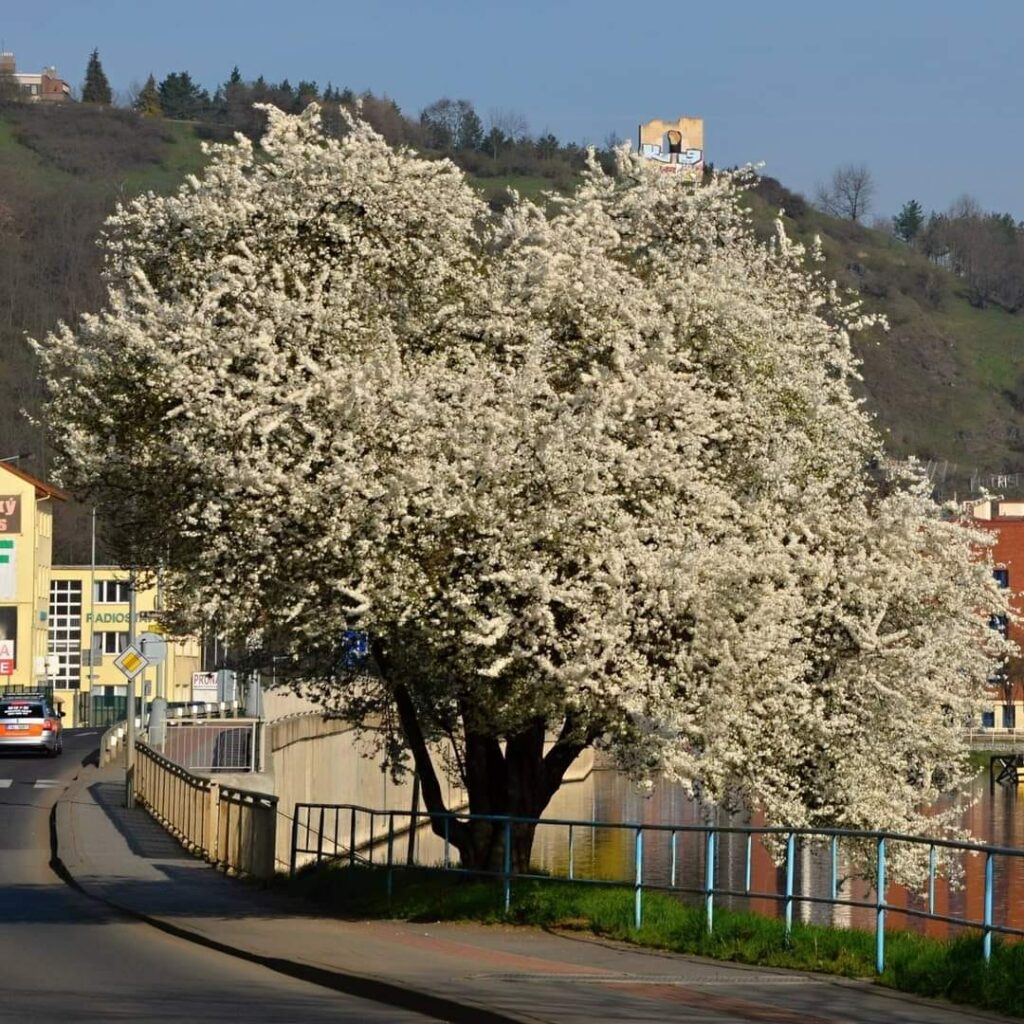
(457, 972)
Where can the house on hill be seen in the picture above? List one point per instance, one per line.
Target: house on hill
(45, 86)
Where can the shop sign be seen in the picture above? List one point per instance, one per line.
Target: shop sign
(8, 639)
(10, 513)
(7, 659)
(204, 686)
(107, 617)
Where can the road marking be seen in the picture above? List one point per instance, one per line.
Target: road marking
(46, 783)
(5, 783)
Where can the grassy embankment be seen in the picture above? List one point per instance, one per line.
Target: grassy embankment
(917, 964)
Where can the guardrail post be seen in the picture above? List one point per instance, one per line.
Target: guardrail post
(213, 822)
(931, 879)
(320, 838)
(638, 884)
(293, 859)
(750, 851)
(352, 840)
(709, 880)
(391, 846)
(508, 864)
(880, 909)
(672, 870)
(790, 868)
(835, 869)
(986, 942)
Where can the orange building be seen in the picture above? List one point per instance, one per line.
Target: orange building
(1005, 519)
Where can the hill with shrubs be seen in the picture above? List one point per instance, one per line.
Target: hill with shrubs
(946, 380)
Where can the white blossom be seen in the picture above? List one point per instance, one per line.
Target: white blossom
(596, 471)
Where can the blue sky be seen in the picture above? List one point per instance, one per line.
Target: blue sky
(927, 94)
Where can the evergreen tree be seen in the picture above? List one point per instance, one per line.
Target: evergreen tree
(181, 98)
(908, 222)
(147, 103)
(96, 88)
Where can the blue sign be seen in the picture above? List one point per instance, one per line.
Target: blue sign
(355, 648)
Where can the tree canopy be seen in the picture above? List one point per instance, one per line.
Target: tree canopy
(181, 98)
(593, 475)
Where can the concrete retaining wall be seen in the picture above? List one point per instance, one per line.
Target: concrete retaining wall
(325, 761)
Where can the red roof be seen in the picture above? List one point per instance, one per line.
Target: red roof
(43, 490)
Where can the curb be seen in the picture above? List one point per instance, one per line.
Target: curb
(361, 986)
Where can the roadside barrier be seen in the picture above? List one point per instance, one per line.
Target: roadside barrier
(112, 741)
(233, 828)
(353, 834)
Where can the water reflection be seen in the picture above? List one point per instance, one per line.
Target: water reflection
(608, 854)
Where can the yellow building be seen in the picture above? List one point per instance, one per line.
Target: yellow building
(62, 627)
(89, 625)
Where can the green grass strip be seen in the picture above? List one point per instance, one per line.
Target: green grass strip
(951, 969)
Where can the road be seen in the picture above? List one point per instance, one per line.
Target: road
(67, 958)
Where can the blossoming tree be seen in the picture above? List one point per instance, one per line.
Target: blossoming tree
(586, 475)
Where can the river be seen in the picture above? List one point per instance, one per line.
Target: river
(609, 854)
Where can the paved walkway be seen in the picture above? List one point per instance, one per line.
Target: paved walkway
(455, 972)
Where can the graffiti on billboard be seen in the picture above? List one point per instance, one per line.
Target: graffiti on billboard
(678, 146)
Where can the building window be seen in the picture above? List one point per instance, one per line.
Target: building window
(988, 719)
(65, 634)
(1009, 716)
(1000, 623)
(1002, 578)
(112, 592)
(111, 642)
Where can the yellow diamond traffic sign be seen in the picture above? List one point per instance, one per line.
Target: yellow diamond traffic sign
(131, 661)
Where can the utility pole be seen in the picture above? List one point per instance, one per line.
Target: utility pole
(129, 752)
(92, 617)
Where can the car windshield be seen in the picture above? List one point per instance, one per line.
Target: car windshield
(22, 710)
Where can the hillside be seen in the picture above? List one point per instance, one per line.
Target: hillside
(946, 382)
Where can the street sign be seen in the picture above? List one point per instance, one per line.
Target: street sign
(131, 661)
(153, 647)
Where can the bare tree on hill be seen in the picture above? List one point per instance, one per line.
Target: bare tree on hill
(850, 192)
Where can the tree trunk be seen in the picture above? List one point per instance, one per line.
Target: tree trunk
(515, 782)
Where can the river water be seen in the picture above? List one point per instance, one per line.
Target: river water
(608, 854)
(993, 817)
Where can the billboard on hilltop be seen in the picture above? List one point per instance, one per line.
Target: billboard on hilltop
(678, 146)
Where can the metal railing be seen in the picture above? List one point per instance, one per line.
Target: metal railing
(179, 800)
(356, 834)
(233, 828)
(112, 742)
(213, 745)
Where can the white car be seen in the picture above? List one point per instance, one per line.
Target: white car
(28, 722)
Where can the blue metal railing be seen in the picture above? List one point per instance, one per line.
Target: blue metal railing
(318, 831)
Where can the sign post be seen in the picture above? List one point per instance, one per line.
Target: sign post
(131, 661)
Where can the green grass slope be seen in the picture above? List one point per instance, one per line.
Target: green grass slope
(946, 382)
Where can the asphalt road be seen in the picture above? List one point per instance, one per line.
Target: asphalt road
(66, 958)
